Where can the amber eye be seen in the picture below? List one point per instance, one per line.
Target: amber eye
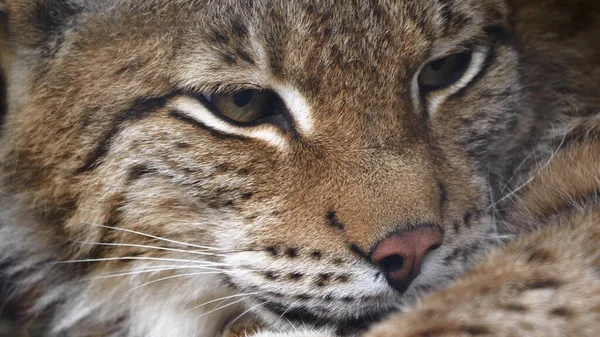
(444, 72)
(244, 106)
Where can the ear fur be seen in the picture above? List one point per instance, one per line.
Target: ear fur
(34, 22)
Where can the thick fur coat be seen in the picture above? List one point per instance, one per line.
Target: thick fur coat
(130, 206)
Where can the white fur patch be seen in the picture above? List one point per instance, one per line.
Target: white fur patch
(298, 107)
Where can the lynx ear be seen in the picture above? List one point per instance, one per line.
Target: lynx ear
(34, 22)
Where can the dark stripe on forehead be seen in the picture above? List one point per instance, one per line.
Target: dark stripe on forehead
(438, 16)
(446, 10)
(418, 17)
(139, 110)
(454, 20)
(275, 43)
(457, 18)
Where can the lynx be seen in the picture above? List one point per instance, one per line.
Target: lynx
(179, 168)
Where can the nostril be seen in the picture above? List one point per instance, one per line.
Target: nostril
(434, 247)
(400, 255)
(392, 264)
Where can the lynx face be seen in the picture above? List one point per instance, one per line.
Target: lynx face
(319, 163)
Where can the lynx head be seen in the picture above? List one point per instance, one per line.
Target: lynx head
(314, 161)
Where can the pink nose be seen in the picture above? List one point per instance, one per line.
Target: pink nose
(400, 255)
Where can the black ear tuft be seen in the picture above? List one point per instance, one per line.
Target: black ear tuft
(36, 21)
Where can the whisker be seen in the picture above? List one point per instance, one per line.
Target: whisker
(222, 307)
(126, 258)
(288, 309)
(516, 170)
(515, 191)
(492, 207)
(230, 324)
(150, 247)
(145, 271)
(158, 238)
(170, 278)
(528, 181)
(222, 299)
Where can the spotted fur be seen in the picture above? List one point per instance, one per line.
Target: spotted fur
(130, 209)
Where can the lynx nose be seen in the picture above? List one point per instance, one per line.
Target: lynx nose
(400, 255)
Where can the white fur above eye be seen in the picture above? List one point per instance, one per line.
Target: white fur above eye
(298, 107)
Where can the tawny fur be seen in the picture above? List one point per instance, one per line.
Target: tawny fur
(127, 210)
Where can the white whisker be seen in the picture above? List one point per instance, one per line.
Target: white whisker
(526, 183)
(230, 324)
(222, 299)
(170, 278)
(515, 191)
(493, 208)
(150, 247)
(527, 158)
(518, 168)
(286, 310)
(158, 238)
(146, 271)
(127, 258)
(221, 307)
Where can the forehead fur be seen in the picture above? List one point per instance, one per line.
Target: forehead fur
(354, 33)
(339, 55)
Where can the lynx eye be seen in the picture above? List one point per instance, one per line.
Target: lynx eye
(444, 72)
(244, 106)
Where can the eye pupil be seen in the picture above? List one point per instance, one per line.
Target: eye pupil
(243, 98)
(438, 64)
(246, 105)
(444, 72)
